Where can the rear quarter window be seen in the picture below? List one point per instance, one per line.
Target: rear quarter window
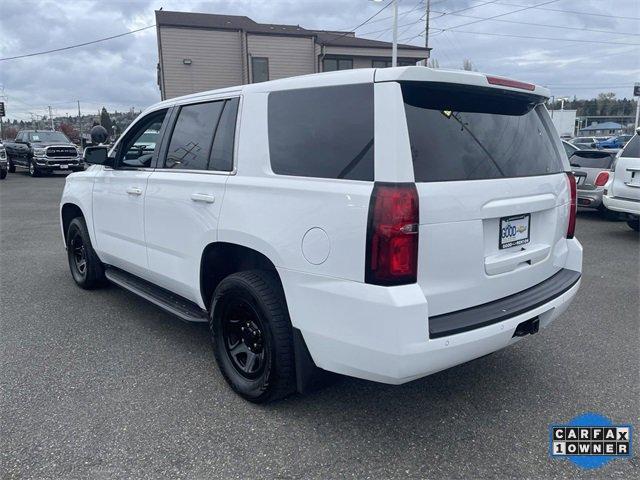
(322, 132)
(475, 133)
(632, 149)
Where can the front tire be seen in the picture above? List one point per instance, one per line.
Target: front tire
(634, 224)
(86, 269)
(3, 174)
(33, 170)
(252, 336)
(12, 167)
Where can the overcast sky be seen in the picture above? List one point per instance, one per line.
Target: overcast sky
(603, 56)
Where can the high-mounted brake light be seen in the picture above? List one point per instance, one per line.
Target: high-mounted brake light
(602, 179)
(573, 205)
(392, 235)
(507, 82)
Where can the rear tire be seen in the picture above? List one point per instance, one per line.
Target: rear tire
(252, 336)
(3, 174)
(608, 214)
(12, 168)
(86, 268)
(634, 224)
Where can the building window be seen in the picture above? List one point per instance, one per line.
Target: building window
(333, 64)
(259, 69)
(387, 63)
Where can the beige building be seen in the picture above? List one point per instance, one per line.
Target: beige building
(200, 52)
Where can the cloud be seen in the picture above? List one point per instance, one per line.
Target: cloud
(122, 72)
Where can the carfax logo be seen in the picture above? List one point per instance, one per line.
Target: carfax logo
(590, 440)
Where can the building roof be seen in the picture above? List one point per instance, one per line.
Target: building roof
(602, 126)
(241, 22)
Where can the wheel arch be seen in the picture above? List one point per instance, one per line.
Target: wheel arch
(68, 212)
(220, 259)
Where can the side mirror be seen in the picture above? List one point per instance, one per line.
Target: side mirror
(97, 156)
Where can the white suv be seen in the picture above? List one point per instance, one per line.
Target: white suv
(622, 192)
(379, 223)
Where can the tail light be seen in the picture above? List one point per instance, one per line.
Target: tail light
(573, 205)
(602, 179)
(392, 235)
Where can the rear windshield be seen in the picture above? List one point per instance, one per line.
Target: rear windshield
(591, 160)
(632, 149)
(475, 133)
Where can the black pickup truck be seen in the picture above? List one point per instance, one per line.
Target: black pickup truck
(43, 151)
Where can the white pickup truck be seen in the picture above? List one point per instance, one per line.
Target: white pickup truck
(379, 223)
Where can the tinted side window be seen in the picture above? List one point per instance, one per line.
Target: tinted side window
(222, 153)
(632, 149)
(322, 132)
(192, 136)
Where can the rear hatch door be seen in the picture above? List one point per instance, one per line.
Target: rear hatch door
(587, 164)
(490, 174)
(626, 181)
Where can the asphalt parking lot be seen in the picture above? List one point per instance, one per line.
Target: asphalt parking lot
(104, 385)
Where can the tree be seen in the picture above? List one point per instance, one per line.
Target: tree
(69, 131)
(105, 120)
(467, 65)
(9, 133)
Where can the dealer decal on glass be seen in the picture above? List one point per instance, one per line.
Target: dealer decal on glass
(590, 440)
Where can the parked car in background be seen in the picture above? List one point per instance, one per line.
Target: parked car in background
(43, 151)
(614, 143)
(337, 221)
(591, 169)
(622, 192)
(584, 142)
(4, 164)
(569, 148)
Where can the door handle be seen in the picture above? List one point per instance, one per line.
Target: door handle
(202, 197)
(134, 191)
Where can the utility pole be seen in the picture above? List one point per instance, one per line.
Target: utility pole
(50, 118)
(426, 27)
(79, 123)
(394, 51)
(636, 93)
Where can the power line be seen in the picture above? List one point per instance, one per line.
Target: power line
(539, 24)
(540, 38)
(77, 45)
(363, 23)
(503, 14)
(422, 17)
(574, 12)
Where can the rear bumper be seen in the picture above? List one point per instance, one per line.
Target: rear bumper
(590, 198)
(382, 333)
(622, 205)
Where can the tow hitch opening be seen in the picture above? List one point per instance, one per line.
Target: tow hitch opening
(528, 327)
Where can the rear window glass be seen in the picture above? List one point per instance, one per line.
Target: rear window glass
(475, 133)
(591, 160)
(632, 149)
(322, 132)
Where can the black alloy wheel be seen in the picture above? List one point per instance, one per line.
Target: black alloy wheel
(86, 268)
(244, 340)
(252, 336)
(78, 253)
